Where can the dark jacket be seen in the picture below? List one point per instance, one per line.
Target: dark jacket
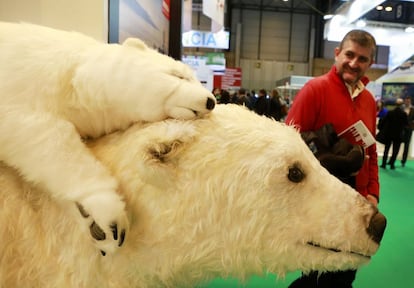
(408, 131)
(262, 106)
(393, 124)
(276, 108)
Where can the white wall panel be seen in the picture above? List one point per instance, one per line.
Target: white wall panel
(300, 38)
(257, 74)
(88, 17)
(250, 34)
(275, 36)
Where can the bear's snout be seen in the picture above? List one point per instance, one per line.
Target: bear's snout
(210, 103)
(377, 226)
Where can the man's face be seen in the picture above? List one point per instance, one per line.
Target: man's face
(352, 61)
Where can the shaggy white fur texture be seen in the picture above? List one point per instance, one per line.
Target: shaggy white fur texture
(56, 86)
(231, 194)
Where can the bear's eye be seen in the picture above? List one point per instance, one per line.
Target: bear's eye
(295, 174)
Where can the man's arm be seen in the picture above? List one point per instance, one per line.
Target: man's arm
(304, 110)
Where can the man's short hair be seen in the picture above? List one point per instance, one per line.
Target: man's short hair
(363, 38)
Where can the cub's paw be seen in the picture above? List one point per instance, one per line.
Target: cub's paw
(106, 219)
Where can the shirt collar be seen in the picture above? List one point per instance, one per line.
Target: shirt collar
(360, 86)
(358, 89)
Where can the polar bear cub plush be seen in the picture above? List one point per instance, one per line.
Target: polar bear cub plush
(58, 87)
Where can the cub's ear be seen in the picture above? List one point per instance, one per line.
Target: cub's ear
(135, 43)
(162, 154)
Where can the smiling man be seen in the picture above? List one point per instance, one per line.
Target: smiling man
(339, 97)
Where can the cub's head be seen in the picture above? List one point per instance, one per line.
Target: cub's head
(135, 82)
(185, 96)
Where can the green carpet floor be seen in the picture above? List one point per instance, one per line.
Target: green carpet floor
(391, 266)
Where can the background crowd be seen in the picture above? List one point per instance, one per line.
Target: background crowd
(270, 104)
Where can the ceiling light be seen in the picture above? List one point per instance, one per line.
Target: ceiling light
(380, 7)
(361, 23)
(388, 8)
(409, 29)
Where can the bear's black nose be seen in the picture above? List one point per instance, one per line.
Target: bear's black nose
(210, 104)
(377, 226)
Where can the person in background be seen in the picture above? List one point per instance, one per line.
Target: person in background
(339, 97)
(409, 110)
(225, 97)
(277, 106)
(217, 93)
(286, 98)
(393, 125)
(381, 110)
(253, 98)
(241, 98)
(261, 106)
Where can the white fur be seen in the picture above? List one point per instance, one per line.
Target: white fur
(205, 198)
(56, 86)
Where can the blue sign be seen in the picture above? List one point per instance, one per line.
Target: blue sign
(195, 38)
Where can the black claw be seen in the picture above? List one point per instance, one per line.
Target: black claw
(103, 253)
(82, 210)
(114, 229)
(122, 238)
(97, 232)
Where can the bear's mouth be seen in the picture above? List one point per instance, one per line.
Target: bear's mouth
(335, 250)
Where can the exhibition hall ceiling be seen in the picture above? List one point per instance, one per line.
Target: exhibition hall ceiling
(380, 13)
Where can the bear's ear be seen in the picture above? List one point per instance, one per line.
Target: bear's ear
(161, 155)
(135, 43)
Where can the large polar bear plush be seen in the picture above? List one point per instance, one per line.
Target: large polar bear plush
(231, 194)
(56, 86)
